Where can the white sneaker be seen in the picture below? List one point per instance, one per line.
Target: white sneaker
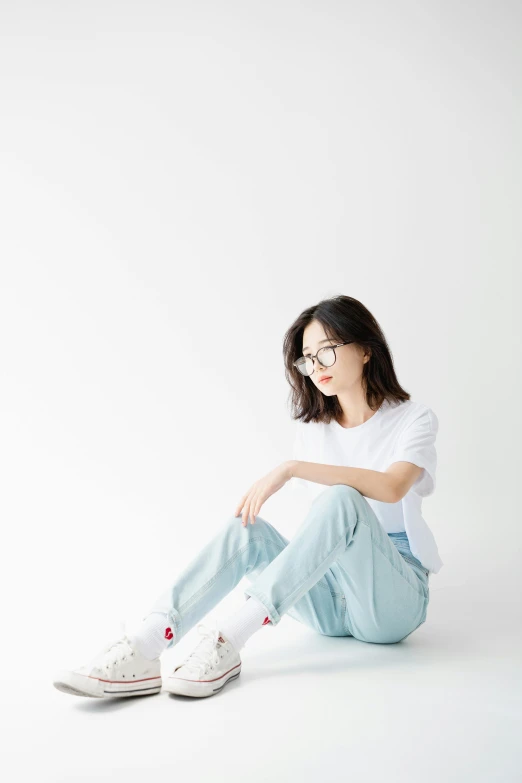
(208, 668)
(118, 670)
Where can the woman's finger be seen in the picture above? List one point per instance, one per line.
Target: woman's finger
(246, 512)
(260, 500)
(257, 502)
(251, 510)
(241, 504)
(245, 497)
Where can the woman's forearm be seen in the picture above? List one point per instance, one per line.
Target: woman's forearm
(370, 483)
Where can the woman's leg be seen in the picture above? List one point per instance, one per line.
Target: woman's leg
(234, 552)
(340, 574)
(385, 598)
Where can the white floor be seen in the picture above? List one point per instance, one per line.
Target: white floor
(444, 705)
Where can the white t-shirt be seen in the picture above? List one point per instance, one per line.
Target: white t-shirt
(396, 432)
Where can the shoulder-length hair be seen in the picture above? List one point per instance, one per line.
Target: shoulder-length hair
(344, 318)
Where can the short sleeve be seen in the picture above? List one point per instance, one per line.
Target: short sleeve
(417, 444)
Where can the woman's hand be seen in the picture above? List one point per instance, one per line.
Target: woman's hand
(261, 491)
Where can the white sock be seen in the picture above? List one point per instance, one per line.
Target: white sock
(240, 626)
(153, 636)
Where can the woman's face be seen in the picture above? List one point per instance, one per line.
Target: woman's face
(345, 373)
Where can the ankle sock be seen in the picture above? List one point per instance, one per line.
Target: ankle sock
(153, 636)
(240, 626)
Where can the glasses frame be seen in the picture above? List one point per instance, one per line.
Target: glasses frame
(314, 357)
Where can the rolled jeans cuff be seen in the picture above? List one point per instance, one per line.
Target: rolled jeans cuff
(271, 611)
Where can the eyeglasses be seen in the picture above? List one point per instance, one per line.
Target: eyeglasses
(325, 357)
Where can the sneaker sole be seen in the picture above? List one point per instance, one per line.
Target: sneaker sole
(181, 687)
(82, 685)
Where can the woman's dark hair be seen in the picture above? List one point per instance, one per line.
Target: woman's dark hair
(344, 318)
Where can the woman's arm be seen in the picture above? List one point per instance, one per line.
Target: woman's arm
(389, 486)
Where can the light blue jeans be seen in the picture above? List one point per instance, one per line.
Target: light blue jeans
(341, 574)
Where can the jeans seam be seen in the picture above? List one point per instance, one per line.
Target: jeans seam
(325, 587)
(383, 553)
(289, 597)
(319, 584)
(239, 552)
(347, 622)
(412, 562)
(361, 517)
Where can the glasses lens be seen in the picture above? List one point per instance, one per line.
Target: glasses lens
(305, 366)
(326, 357)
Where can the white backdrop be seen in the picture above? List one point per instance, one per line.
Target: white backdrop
(179, 180)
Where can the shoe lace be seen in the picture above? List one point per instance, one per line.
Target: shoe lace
(206, 654)
(117, 651)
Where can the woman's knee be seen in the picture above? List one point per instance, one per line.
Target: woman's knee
(261, 528)
(339, 492)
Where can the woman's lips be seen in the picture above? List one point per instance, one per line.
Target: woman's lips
(325, 380)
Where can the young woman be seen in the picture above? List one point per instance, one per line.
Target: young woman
(358, 565)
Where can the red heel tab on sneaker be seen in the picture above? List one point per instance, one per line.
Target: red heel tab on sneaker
(168, 633)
